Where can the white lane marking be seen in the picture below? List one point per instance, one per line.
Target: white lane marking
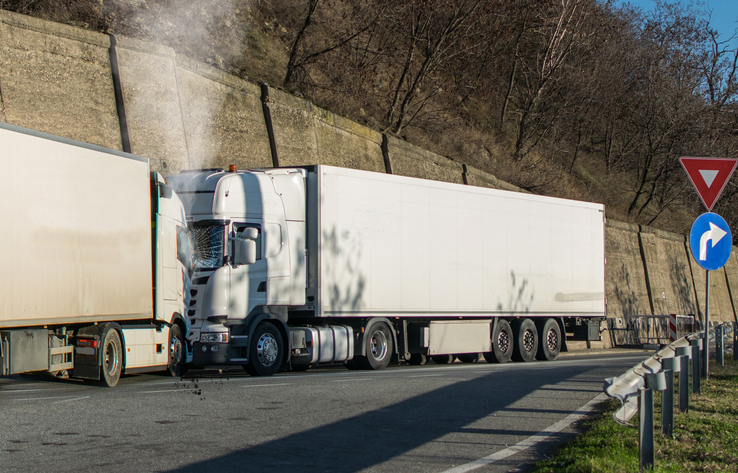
(264, 385)
(41, 398)
(532, 440)
(70, 400)
(167, 391)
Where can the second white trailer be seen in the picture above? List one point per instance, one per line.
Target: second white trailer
(323, 264)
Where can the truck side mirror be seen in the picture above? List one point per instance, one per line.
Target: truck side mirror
(246, 252)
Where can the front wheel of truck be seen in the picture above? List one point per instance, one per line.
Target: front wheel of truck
(177, 350)
(266, 351)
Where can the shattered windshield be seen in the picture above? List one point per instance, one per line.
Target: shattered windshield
(210, 244)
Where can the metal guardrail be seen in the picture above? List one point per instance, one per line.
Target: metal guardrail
(634, 389)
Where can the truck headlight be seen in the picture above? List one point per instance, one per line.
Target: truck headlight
(214, 337)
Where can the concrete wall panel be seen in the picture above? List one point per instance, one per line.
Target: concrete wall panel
(409, 160)
(56, 78)
(475, 177)
(151, 101)
(669, 272)
(294, 129)
(223, 117)
(345, 143)
(625, 277)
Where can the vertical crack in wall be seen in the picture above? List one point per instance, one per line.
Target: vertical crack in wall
(645, 269)
(3, 117)
(125, 139)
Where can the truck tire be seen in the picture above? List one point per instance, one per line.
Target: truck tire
(502, 343)
(549, 340)
(378, 348)
(111, 363)
(177, 349)
(526, 340)
(266, 351)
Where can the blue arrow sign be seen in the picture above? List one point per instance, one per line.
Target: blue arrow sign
(711, 241)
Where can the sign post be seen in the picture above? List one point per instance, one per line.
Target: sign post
(710, 238)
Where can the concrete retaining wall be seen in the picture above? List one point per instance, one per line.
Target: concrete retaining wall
(127, 94)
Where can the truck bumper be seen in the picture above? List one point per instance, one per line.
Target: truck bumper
(207, 354)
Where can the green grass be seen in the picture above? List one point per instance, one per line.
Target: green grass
(705, 438)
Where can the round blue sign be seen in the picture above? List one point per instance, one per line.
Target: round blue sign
(711, 241)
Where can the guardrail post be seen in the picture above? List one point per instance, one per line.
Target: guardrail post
(652, 382)
(645, 428)
(683, 356)
(696, 365)
(719, 353)
(670, 366)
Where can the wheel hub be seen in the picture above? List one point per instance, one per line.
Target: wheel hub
(528, 339)
(379, 345)
(503, 342)
(552, 340)
(267, 349)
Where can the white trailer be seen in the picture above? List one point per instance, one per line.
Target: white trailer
(325, 264)
(97, 254)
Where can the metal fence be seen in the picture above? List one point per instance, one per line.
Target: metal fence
(640, 330)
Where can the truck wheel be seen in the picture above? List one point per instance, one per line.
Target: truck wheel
(266, 351)
(502, 343)
(112, 359)
(526, 340)
(378, 348)
(176, 351)
(549, 340)
(468, 357)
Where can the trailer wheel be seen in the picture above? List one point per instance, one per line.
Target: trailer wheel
(176, 351)
(266, 351)
(468, 357)
(526, 340)
(378, 348)
(111, 363)
(502, 343)
(549, 340)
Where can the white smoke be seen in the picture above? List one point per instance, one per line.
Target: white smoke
(180, 103)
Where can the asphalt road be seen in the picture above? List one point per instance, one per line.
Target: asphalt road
(432, 418)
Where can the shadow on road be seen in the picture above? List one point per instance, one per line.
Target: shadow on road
(374, 437)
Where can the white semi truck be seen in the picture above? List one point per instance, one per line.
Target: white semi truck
(97, 253)
(321, 264)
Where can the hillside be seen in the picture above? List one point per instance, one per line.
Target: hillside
(571, 98)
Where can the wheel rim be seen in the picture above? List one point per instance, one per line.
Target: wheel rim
(267, 349)
(503, 341)
(379, 345)
(111, 359)
(552, 340)
(175, 351)
(528, 341)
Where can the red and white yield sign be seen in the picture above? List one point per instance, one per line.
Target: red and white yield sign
(709, 176)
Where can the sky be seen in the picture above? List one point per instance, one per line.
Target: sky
(724, 13)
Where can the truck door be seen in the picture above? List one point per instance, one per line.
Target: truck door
(248, 281)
